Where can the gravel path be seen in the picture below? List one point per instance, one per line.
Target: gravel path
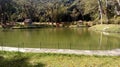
(115, 52)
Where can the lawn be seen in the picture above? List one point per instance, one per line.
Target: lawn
(111, 28)
(17, 59)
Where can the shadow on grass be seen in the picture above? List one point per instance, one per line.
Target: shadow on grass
(17, 62)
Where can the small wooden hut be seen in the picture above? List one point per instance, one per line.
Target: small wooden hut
(28, 22)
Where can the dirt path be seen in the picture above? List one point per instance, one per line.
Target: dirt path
(115, 52)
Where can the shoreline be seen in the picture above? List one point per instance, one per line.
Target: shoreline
(114, 52)
(109, 28)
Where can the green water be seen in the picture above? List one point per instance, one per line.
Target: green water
(58, 38)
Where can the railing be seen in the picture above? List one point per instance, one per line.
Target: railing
(56, 45)
(37, 45)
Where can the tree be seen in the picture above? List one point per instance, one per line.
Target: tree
(100, 10)
(75, 14)
(6, 10)
(117, 7)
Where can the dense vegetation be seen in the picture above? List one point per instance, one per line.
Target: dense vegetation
(15, 59)
(57, 10)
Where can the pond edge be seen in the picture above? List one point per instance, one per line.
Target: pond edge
(114, 52)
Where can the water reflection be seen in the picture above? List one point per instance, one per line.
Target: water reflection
(108, 40)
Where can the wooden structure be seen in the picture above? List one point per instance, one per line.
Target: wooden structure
(28, 22)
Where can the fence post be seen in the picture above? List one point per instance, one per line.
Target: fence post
(70, 45)
(23, 45)
(40, 45)
(18, 47)
(2, 46)
(58, 45)
(19, 53)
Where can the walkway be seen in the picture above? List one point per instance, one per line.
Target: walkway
(115, 52)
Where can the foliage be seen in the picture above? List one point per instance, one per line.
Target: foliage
(90, 7)
(53, 10)
(117, 20)
(7, 10)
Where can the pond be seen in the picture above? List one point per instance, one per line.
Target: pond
(58, 38)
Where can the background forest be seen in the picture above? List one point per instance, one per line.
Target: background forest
(58, 10)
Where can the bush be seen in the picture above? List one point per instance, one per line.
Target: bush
(117, 20)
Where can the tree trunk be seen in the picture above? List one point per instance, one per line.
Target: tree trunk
(100, 10)
(107, 16)
(117, 7)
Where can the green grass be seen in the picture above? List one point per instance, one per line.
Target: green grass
(16, 59)
(112, 28)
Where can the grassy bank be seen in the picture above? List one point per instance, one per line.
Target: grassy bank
(111, 28)
(15, 59)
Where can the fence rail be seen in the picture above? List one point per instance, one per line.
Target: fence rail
(56, 45)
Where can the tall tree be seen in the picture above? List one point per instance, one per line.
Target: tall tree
(106, 9)
(117, 7)
(100, 10)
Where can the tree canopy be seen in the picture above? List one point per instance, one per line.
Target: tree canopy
(55, 10)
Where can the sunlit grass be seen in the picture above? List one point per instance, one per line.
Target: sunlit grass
(13, 59)
(107, 28)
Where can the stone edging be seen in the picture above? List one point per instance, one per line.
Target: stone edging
(115, 52)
